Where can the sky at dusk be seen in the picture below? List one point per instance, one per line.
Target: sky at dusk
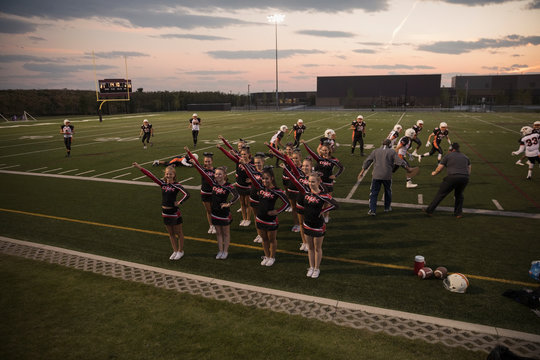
(226, 45)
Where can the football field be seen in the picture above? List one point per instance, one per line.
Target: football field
(95, 201)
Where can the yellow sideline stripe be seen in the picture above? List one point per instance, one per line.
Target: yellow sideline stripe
(343, 260)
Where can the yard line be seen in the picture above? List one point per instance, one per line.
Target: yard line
(11, 166)
(343, 200)
(41, 168)
(67, 171)
(119, 176)
(48, 171)
(140, 177)
(420, 199)
(490, 124)
(189, 178)
(353, 190)
(52, 149)
(497, 204)
(85, 172)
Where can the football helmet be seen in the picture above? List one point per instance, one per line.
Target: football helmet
(456, 283)
(360, 117)
(145, 121)
(300, 121)
(195, 115)
(420, 122)
(443, 125)
(526, 130)
(534, 272)
(536, 123)
(283, 128)
(66, 122)
(410, 133)
(329, 132)
(397, 127)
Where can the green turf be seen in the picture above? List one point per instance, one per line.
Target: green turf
(51, 312)
(490, 246)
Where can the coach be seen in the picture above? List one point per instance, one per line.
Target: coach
(458, 170)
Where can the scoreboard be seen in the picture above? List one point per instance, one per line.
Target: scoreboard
(115, 88)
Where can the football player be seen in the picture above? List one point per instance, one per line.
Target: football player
(438, 134)
(394, 134)
(402, 149)
(359, 133)
(146, 132)
(529, 143)
(195, 124)
(67, 130)
(298, 130)
(417, 128)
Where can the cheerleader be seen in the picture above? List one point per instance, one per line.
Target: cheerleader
(314, 204)
(256, 172)
(242, 180)
(220, 207)
(206, 188)
(267, 222)
(169, 207)
(325, 165)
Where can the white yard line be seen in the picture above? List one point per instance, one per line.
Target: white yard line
(140, 177)
(497, 204)
(41, 168)
(183, 181)
(119, 176)
(67, 171)
(349, 201)
(51, 170)
(11, 166)
(85, 172)
(355, 186)
(420, 199)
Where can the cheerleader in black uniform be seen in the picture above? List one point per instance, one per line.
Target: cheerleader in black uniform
(325, 165)
(242, 184)
(221, 215)
(169, 207)
(256, 171)
(267, 222)
(206, 188)
(314, 203)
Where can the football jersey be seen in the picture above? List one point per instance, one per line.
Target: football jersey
(67, 130)
(405, 145)
(146, 128)
(530, 142)
(393, 137)
(359, 127)
(195, 124)
(279, 135)
(298, 129)
(416, 129)
(439, 134)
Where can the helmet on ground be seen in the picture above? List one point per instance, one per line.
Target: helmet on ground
(397, 127)
(534, 272)
(300, 121)
(66, 121)
(410, 133)
(443, 125)
(360, 117)
(420, 122)
(526, 130)
(456, 283)
(283, 128)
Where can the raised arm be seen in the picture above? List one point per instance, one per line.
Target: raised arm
(199, 168)
(227, 144)
(278, 154)
(249, 171)
(294, 180)
(314, 155)
(230, 154)
(149, 174)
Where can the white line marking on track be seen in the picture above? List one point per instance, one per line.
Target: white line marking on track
(497, 204)
(67, 171)
(51, 170)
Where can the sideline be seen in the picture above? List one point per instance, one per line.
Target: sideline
(258, 248)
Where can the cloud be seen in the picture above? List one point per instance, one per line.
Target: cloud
(395, 66)
(260, 54)
(515, 67)
(192, 36)
(14, 26)
(327, 33)
(62, 69)
(36, 38)
(116, 54)
(460, 47)
(364, 51)
(22, 58)
(477, 2)
(214, 72)
(535, 4)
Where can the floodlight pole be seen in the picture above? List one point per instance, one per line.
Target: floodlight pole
(276, 18)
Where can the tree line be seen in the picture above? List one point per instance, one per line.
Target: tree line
(84, 102)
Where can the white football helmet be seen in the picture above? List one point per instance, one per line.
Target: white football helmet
(443, 125)
(456, 283)
(397, 127)
(283, 128)
(410, 133)
(420, 122)
(145, 121)
(536, 123)
(66, 122)
(360, 117)
(195, 115)
(300, 121)
(526, 130)
(328, 133)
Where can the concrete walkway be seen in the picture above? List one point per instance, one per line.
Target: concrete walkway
(397, 323)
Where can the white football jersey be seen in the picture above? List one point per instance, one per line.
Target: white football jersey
(531, 142)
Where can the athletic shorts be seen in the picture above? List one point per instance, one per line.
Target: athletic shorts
(314, 232)
(171, 216)
(534, 159)
(268, 226)
(221, 221)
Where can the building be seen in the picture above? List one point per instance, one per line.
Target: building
(379, 91)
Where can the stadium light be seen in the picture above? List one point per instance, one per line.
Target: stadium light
(276, 19)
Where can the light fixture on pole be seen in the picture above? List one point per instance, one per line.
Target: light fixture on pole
(276, 19)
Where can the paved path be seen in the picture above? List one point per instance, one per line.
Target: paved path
(397, 323)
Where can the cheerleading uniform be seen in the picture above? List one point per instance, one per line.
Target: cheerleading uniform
(326, 168)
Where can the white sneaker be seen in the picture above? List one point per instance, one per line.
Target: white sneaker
(414, 153)
(302, 246)
(289, 209)
(309, 272)
(144, 147)
(224, 255)
(239, 210)
(410, 185)
(258, 239)
(419, 158)
(173, 255)
(520, 163)
(212, 229)
(326, 219)
(243, 223)
(316, 273)
(270, 261)
(179, 255)
(264, 261)
(219, 254)
(247, 222)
